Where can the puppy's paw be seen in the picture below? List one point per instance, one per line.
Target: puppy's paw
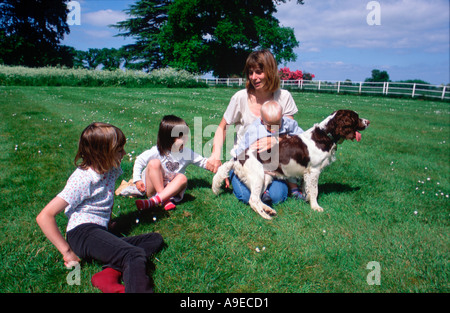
(317, 208)
(269, 210)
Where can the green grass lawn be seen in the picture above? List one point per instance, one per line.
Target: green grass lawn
(386, 199)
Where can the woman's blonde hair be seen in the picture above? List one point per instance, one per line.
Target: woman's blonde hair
(264, 61)
(98, 147)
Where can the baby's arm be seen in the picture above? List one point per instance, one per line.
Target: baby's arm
(293, 128)
(46, 221)
(254, 132)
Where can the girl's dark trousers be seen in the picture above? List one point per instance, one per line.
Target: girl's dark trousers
(126, 254)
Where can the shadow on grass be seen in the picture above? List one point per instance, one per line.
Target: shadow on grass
(123, 225)
(328, 188)
(195, 183)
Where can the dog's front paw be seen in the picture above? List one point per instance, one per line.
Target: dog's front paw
(262, 213)
(258, 207)
(215, 189)
(216, 185)
(269, 210)
(317, 208)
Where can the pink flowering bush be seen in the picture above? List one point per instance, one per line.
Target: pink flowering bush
(286, 74)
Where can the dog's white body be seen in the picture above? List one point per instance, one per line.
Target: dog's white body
(299, 156)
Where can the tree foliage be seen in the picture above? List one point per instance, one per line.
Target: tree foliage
(31, 31)
(205, 35)
(146, 19)
(378, 76)
(107, 59)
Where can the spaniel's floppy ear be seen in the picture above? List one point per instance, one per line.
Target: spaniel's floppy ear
(344, 122)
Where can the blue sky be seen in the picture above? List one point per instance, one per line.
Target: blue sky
(336, 41)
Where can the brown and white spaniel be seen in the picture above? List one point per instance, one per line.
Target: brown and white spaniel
(294, 156)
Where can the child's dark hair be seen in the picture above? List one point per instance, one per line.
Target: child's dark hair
(170, 128)
(98, 147)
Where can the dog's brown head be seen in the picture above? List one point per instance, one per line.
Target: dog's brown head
(346, 124)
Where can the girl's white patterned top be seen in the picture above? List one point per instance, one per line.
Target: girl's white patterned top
(90, 197)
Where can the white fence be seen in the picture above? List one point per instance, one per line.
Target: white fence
(381, 88)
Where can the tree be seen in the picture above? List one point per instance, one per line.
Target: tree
(109, 59)
(88, 59)
(31, 31)
(378, 76)
(204, 35)
(308, 76)
(147, 17)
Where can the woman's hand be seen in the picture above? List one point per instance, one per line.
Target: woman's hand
(212, 164)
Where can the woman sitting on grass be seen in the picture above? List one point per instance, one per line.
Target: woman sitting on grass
(159, 171)
(262, 85)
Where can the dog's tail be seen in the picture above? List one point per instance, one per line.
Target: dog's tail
(220, 176)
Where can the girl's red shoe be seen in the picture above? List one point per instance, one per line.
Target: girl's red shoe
(108, 281)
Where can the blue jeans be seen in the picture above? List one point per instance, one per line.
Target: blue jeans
(278, 189)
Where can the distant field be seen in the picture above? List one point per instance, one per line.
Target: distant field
(386, 198)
